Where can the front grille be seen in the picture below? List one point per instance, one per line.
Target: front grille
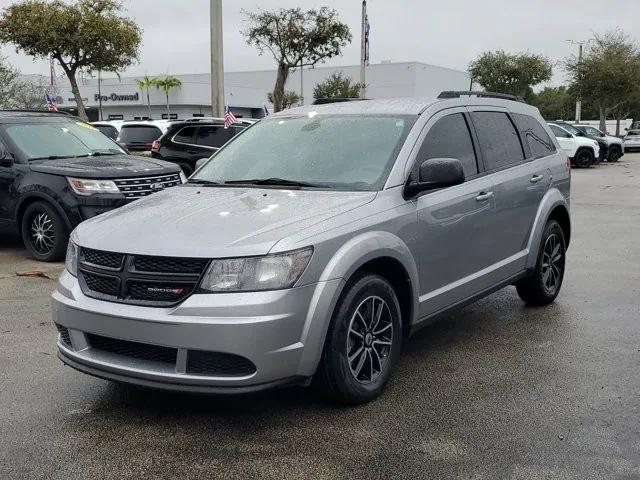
(102, 259)
(64, 335)
(169, 264)
(102, 284)
(141, 187)
(138, 279)
(218, 364)
(126, 348)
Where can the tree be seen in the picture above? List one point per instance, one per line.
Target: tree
(289, 99)
(167, 84)
(337, 85)
(18, 91)
(608, 74)
(515, 74)
(555, 103)
(144, 84)
(84, 35)
(296, 38)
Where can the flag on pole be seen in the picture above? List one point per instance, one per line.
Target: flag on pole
(52, 75)
(229, 117)
(51, 102)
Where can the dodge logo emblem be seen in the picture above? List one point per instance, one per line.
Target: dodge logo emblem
(170, 291)
(156, 187)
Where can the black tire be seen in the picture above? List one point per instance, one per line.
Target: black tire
(366, 376)
(44, 232)
(543, 285)
(584, 158)
(615, 153)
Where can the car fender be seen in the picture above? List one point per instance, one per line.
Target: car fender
(552, 199)
(38, 192)
(344, 263)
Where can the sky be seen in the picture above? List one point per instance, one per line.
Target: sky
(448, 33)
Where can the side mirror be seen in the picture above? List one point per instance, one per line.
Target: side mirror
(6, 159)
(436, 173)
(201, 162)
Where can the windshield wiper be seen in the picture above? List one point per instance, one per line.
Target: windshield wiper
(199, 181)
(276, 181)
(53, 157)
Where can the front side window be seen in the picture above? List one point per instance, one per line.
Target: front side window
(449, 137)
(498, 139)
(345, 152)
(536, 136)
(60, 140)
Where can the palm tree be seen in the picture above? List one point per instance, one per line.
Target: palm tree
(167, 84)
(145, 84)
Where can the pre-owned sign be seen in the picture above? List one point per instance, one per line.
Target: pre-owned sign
(114, 97)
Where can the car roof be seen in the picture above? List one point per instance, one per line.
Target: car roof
(12, 116)
(404, 105)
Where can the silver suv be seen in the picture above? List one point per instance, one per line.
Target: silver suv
(314, 244)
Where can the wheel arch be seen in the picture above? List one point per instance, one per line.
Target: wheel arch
(33, 197)
(553, 206)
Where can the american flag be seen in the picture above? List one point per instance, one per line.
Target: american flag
(229, 117)
(51, 102)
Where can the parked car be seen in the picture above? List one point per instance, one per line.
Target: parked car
(315, 244)
(111, 128)
(139, 135)
(56, 171)
(615, 145)
(632, 141)
(604, 147)
(184, 143)
(582, 151)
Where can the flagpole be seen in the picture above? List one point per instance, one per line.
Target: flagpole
(363, 49)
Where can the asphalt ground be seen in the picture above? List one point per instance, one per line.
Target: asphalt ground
(496, 390)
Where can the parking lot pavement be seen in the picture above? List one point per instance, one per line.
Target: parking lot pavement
(496, 390)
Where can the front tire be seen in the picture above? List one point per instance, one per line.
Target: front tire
(44, 232)
(543, 285)
(584, 158)
(363, 342)
(615, 153)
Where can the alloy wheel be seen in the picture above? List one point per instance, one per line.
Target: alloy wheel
(369, 339)
(552, 263)
(43, 235)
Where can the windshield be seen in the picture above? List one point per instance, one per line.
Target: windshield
(139, 134)
(344, 152)
(38, 141)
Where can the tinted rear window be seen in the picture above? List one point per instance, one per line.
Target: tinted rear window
(536, 136)
(498, 139)
(139, 134)
(108, 130)
(185, 135)
(215, 135)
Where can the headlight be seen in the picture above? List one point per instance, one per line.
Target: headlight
(71, 261)
(183, 177)
(90, 187)
(250, 274)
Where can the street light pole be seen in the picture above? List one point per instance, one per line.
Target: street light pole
(217, 65)
(363, 50)
(580, 44)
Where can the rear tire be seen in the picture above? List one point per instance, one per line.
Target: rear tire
(44, 232)
(615, 153)
(584, 158)
(543, 285)
(363, 342)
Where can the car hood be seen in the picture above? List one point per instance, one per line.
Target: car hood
(213, 222)
(112, 166)
(612, 140)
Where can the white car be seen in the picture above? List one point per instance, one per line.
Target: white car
(139, 135)
(582, 151)
(615, 145)
(111, 128)
(632, 140)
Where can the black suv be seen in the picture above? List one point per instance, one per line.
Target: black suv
(187, 142)
(56, 171)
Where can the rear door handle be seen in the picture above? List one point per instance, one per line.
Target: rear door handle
(536, 178)
(482, 196)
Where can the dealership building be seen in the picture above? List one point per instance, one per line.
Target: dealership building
(246, 92)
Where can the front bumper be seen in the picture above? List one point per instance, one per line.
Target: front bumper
(280, 332)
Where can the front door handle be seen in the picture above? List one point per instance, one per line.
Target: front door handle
(482, 196)
(536, 178)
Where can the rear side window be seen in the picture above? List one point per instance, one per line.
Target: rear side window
(498, 139)
(108, 130)
(449, 137)
(139, 134)
(214, 135)
(185, 135)
(559, 132)
(536, 136)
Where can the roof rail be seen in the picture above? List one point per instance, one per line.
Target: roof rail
(324, 101)
(469, 93)
(35, 110)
